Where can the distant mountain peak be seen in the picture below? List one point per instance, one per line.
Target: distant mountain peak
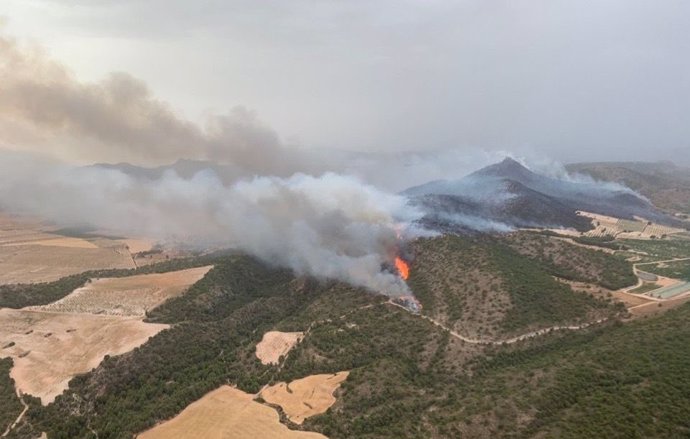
(508, 168)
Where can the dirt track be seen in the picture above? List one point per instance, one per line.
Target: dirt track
(510, 340)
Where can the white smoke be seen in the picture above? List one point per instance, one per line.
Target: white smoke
(330, 226)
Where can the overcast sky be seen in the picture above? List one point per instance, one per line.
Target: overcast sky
(572, 80)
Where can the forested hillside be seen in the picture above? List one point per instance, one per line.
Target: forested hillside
(409, 377)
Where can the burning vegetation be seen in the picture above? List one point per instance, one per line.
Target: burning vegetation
(402, 267)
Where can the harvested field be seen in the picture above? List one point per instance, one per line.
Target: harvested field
(53, 241)
(305, 397)
(37, 263)
(138, 245)
(51, 348)
(127, 296)
(275, 344)
(226, 413)
(32, 252)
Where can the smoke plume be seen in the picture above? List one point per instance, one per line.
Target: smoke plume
(330, 226)
(43, 107)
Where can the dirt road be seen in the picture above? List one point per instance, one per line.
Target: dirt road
(511, 340)
(19, 418)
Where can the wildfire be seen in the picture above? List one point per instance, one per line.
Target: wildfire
(402, 267)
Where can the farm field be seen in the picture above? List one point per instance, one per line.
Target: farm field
(306, 397)
(50, 348)
(223, 414)
(627, 229)
(34, 263)
(127, 296)
(275, 344)
(33, 252)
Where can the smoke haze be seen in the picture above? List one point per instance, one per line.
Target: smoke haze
(330, 226)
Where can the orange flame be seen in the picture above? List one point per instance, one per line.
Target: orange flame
(402, 267)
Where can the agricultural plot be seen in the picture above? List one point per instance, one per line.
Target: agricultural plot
(49, 349)
(276, 344)
(32, 252)
(127, 296)
(627, 229)
(40, 263)
(306, 397)
(223, 414)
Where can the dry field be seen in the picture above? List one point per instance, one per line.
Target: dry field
(305, 397)
(52, 241)
(49, 349)
(38, 263)
(275, 344)
(30, 253)
(629, 229)
(657, 307)
(226, 413)
(138, 245)
(127, 296)
(631, 300)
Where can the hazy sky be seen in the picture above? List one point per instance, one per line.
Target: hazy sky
(574, 80)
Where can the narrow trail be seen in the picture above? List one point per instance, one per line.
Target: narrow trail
(511, 340)
(19, 418)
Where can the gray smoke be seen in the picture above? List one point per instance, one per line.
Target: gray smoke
(330, 226)
(44, 108)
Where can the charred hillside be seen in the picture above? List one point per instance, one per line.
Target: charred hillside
(507, 194)
(665, 184)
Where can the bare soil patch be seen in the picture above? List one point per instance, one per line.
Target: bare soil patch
(127, 296)
(630, 300)
(275, 344)
(226, 413)
(305, 397)
(51, 348)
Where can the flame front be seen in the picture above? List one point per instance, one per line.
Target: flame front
(402, 267)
